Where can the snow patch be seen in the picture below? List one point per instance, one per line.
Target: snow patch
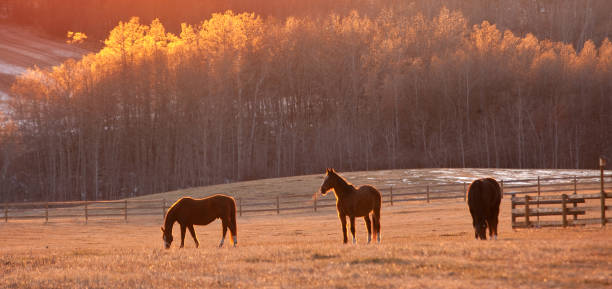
(67, 53)
(11, 69)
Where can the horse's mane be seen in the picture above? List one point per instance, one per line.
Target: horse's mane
(175, 203)
(170, 211)
(341, 179)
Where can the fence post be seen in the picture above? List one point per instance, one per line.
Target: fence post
(5, 212)
(574, 204)
(314, 203)
(46, 212)
(86, 216)
(277, 204)
(391, 195)
(527, 211)
(513, 206)
(428, 193)
(125, 208)
(564, 209)
(502, 187)
(240, 206)
(602, 164)
(603, 208)
(163, 208)
(538, 204)
(464, 192)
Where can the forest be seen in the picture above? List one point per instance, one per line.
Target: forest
(241, 96)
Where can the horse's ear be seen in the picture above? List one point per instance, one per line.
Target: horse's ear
(332, 170)
(326, 170)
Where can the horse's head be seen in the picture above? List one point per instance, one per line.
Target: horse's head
(480, 229)
(167, 237)
(328, 182)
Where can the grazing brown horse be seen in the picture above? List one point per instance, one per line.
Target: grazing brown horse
(354, 202)
(188, 212)
(484, 197)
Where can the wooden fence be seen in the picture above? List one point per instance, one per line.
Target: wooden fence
(392, 195)
(568, 203)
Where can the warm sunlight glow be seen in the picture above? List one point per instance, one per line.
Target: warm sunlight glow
(237, 96)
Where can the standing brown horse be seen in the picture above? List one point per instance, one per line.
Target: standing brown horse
(354, 202)
(188, 212)
(484, 197)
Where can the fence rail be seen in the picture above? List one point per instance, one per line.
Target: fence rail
(393, 194)
(563, 209)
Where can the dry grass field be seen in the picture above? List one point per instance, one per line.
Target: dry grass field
(423, 246)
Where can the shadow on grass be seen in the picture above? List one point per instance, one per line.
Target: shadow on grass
(317, 256)
(382, 261)
(453, 234)
(257, 260)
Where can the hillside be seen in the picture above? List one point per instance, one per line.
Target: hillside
(21, 49)
(309, 184)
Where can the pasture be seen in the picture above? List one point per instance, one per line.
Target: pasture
(423, 246)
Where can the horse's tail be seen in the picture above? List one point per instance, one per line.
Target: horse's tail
(376, 217)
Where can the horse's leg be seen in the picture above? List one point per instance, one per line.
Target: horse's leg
(493, 227)
(343, 224)
(183, 228)
(224, 225)
(233, 228)
(474, 223)
(376, 222)
(352, 219)
(193, 235)
(495, 218)
(368, 224)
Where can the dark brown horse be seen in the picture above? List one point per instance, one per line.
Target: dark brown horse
(354, 202)
(188, 212)
(484, 197)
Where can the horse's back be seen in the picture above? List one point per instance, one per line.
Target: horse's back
(366, 199)
(484, 195)
(494, 189)
(206, 210)
(370, 192)
(217, 199)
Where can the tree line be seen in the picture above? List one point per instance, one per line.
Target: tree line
(237, 97)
